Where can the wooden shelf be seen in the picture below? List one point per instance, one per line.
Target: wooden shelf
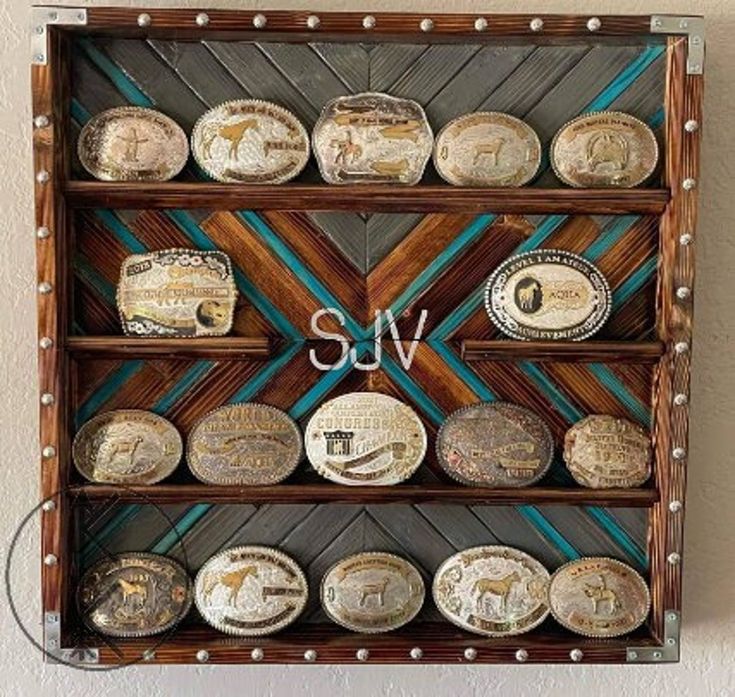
(563, 351)
(226, 347)
(335, 493)
(426, 198)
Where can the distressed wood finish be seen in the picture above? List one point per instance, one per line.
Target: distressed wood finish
(234, 348)
(559, 351)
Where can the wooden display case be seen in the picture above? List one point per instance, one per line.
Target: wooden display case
(306, 245)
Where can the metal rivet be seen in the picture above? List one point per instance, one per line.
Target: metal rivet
(368, 22)
(426, 24)
(43, 232)
(52, 643)
(632, 655)
(144, 19)
(683, 24)
(686, 239)
(39, 57)
(45, 342)
(202, 656)
(678, 453)
(576, 655)
(202, 19)
(594, 24)
(310, 655)
(695, 67)
(671, 641)
(259, 21)
(673, 558)
(40, 29)
(53, 16)
(480, 24)
(689, 183)
(680, 399)
(49, 451)
(47, 399)
(41, 121)
(44, 288)
(50, 560)
(537, 24)
(52, 617)
(691, 126)
(48, 506)
(675, 507)
(416, 653)
(257, 654)
(521, 655)
(470, 654)
(362, 654)
(657, 23)
(656, 654)
(43, 176)
(149, 655)
(313, 22)
(672, 617)
(681, 347)
(683, 292)
(82, 17)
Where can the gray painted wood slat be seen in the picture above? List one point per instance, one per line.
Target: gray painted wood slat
(633, 521)
(646, 95)
(384, 232)
(269, 525)
(458, 524)
(351, 63)
(91, 88)
(347, 231)
(389, 61)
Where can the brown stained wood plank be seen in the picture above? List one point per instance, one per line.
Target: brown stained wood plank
(637, 246)
(563, 351)
(368, 197)
(402, 493)
(125, 347)
(574, 235)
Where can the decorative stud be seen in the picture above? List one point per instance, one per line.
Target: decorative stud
(310, 655)
(675, 506)
(49, 451)
(594, 24)
(41, 121)
(678, 453)
(202, 656)
(426, 24)
(470, 654)
(257, 654)
(681, 347)
(674, 558)
(144, 19)
(313, 22)
(368, 22)
(47, 399)
(537, 24)
(689, 183)
(202, 19)
(683, 292)
(43, 176)
(45, 342)
(521, 655)
(686, 239)
(48, 506)
(680, 399)
(576, 655)
(416, 653)
(50, 560)
(691, 126)
(259, 21)
(40, 29)
(149, 655)
(44, 288)
(43, 232)
(480, 24)
(362, 654)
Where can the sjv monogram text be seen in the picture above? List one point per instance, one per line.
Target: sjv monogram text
(350, 353)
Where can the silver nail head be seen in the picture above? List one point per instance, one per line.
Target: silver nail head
(50, 560)
(48, 506)
(43, 176)
(679, 453)
(470, 654)
(686, 239)
(257, 654)
(368, 22)
(480, 24)
(43, 232)
(426, 24)
(362, 654)
(521, 655)
(44, 288)
(683, 293)
(47, 399)
(675, 507)
(674, 558)
(313, 22)
(691, 126)
(632, 655)
(689, 183)
(45, 342)
(259, 21)
(144, 19)
(537, 24)
(680, 399)
(594, 24)
(576, 655)
(202, 19)
(149, 655)
(681, 347)
(672, 617)
(39, 57)
(416, 653)
(310, 655)
(49, 451)
(202, 656)
(41, 121)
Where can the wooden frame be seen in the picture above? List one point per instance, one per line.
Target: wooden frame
(676, 204)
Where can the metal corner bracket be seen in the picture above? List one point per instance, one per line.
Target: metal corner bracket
(693, 29)
(41, 18)
(77, 655)
(668, 652)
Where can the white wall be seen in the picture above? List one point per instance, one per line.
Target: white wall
(709, 596)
